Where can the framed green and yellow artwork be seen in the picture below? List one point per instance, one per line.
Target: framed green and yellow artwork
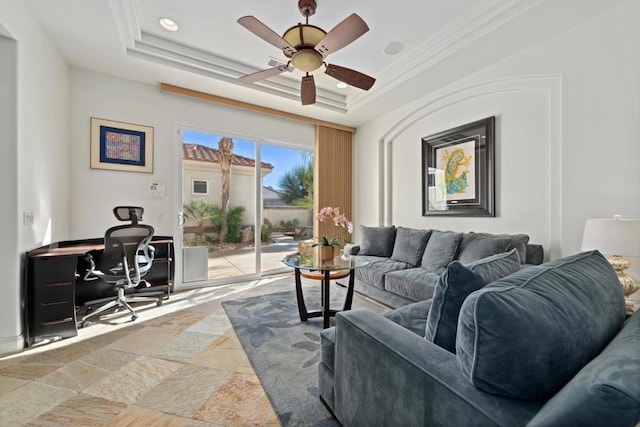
(458, 176)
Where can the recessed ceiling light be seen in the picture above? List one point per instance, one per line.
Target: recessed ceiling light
(341, 85)
(394, 48)
(168, 24)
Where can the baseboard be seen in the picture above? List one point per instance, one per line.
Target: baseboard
(9, 345)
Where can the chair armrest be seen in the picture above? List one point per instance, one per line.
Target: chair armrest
(387, 375)
(90, 273)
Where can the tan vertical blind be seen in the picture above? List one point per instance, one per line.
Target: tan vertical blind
(333, 163)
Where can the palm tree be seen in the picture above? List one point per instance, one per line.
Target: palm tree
(297, 184)
(225, 148)
(201, 212)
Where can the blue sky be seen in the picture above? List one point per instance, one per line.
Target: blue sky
(283, 159)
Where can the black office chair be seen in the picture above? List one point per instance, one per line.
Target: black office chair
(127, 257)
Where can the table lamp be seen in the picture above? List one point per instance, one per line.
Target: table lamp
(616, 238)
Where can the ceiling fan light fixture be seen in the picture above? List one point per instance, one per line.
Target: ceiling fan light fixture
(306, 60)
(307, 46)
(342, 85)
(304, 35)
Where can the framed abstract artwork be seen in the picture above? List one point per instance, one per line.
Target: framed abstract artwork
(458, 176)
(121, 146)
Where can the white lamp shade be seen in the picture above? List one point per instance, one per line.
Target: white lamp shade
(612, 236)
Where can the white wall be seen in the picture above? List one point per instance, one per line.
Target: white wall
(287, 213)
(94, 193)
(568, 137)
(35, 145)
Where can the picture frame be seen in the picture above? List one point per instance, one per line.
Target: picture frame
(458, 173)
(121, 146)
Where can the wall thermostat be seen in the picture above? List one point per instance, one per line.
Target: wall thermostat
(157, 189)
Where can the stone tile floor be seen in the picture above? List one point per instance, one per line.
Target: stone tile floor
(180, 364)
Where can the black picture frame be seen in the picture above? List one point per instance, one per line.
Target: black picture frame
(458, 174)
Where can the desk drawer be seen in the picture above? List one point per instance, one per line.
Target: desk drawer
(54, 291)
(54, 312)
(55, 319)
(51, 310)
(53, 269)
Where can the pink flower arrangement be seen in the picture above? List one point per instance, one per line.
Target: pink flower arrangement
(339, 220)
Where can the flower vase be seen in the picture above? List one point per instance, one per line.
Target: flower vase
(326, 253)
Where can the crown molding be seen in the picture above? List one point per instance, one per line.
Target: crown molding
(136, 43)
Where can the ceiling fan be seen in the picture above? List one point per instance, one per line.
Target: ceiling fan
(307, 46)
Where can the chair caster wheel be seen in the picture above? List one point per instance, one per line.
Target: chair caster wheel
(134, 317)
(159, 303)
(84, 324)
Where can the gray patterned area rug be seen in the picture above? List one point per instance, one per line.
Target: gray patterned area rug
(285, 352)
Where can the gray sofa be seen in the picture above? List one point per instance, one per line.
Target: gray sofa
(545, 346)
(406, 263)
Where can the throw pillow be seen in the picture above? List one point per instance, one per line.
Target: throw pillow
(377, 241)
(409, 245)
(518, 241)
(496, 266)
(441, 248)
(455, 285)
(526, 335)
(411, 316)
(475, 246)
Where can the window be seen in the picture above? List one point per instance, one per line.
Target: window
(199, 186)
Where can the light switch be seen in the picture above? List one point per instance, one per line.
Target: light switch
(27, 217)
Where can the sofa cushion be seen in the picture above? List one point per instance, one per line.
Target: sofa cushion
(475, 246)
(409, 245)
(517, 241)
(373, 274)
(411, 316)
(526, 335)
(455, 285)
(377, 241)
(606, 391)
(414, 283)
(440, 250)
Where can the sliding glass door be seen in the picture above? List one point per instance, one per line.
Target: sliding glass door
(245, 205)
(287, 203)
(218, 205)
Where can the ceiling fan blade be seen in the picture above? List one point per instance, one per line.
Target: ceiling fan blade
(263, 74)
(350, 77)
(267, 34)
(308, 90)
(342, 34)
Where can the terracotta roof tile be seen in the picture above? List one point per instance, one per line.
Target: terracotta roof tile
(203, 153)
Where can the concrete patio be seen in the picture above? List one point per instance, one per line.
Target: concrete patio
(241, 262)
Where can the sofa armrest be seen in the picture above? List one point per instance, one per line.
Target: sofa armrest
(387, 375)
(535, 254)
(354, 250)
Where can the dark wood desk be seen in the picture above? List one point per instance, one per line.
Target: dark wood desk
(54, 287)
